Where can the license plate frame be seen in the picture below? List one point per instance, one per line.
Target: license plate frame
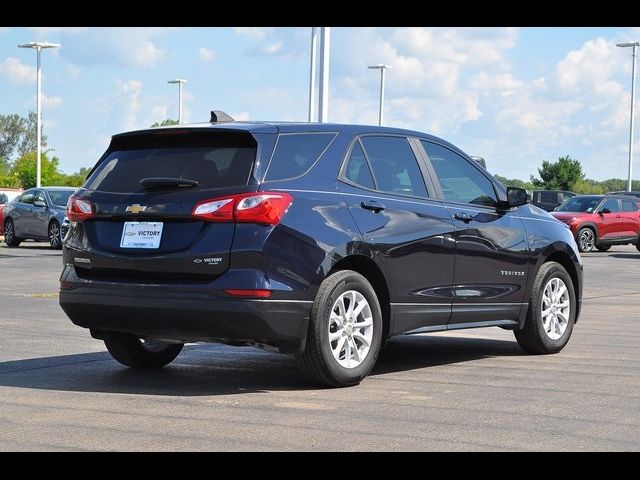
(141, 235)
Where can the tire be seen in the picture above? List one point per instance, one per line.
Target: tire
(638, 246)
(533, 338)
(586, 239)
(10, 234)
(55, 238)
(129, 350)
(602, 248)
(318, 361)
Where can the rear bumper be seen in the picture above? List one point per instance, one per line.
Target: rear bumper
(164, 312)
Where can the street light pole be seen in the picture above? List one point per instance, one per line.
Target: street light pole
(179, 81)
(382, 68)
(323, 96)
(634, 45)
(312, 73)
(38, 47)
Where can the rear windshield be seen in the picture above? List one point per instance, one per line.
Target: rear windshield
(60, 197)
(213, 161)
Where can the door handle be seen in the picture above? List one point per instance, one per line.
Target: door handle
(372, 205)
(464, 217)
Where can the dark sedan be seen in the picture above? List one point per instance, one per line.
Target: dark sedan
(37, 215)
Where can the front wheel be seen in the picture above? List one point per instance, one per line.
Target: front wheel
(345, 331)
(134, 352)
(10, 234)
(55, 240)
(586, 239)
(552, 311)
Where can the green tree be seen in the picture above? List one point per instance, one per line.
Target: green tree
(76, 179)
(587, 187)
(24, 169)
(17, 137)
(560, 175)
(514, 182)
(165, 123)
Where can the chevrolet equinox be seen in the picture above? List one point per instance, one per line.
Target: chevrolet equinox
(317, 240)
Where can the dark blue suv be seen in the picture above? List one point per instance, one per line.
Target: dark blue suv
(318, 240)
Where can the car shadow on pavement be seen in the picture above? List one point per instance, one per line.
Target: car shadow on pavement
(212, 369)
(625, 255)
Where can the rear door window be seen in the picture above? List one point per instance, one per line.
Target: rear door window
(395, 168)
(213, 160)
(296, 153)
(629, 206)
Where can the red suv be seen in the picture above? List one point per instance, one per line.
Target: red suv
(601, 220)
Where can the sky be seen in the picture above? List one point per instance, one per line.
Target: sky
(515, 96)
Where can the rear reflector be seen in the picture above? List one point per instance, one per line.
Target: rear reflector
(79, 209)
(248, 293)
(257, 207)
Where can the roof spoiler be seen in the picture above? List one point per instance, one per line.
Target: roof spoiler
(218, 116)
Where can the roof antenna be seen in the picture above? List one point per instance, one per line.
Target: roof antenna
(218, 116)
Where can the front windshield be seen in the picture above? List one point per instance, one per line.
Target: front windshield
(579, 204)
(60, 197)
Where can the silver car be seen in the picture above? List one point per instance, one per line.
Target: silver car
(37, 215)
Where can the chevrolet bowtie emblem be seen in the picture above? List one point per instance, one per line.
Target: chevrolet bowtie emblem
(135, 208)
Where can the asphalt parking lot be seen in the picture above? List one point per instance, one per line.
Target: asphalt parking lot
(469, 390)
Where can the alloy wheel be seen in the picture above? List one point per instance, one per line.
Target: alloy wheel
(350, 329)
(587, 240)
(556, 308)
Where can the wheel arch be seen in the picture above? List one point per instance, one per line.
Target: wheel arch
(590, 225)
(563, 257)
(366, 267)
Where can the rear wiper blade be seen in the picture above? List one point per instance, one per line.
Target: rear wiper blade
(167, 182)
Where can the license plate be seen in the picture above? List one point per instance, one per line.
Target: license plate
(141, 235)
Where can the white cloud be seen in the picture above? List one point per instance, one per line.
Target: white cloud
(254, 32)
(205, 54)
(124, 46)
(128, 95)
(51, 101)
(17, 72)
(73, 71)
(272, 48)
(240, 116)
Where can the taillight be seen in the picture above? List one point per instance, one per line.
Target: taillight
(258, 207)
(79, 209)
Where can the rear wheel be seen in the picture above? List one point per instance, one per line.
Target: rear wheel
(586, 239)
(552, 311)
(10, 234)
(55, 239)
(345, 331)
(602, 248)
(134, 352)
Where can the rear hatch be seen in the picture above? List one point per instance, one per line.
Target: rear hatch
(143, 192)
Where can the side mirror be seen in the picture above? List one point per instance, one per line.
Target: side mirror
(39, 203)
(605, 210)
(515, 198)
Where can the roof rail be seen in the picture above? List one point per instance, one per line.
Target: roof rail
(218, 116)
